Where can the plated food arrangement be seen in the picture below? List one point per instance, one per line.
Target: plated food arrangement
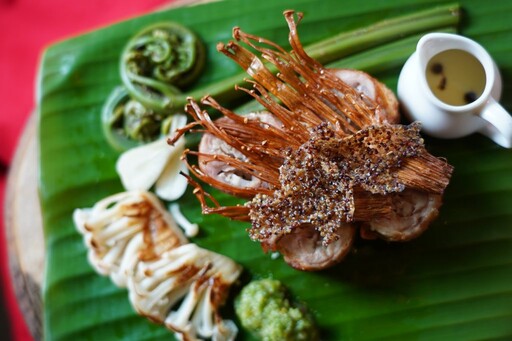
(316, 166)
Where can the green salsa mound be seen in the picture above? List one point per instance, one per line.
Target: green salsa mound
(264, 309)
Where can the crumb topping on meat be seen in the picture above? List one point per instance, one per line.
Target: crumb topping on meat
(318, 179)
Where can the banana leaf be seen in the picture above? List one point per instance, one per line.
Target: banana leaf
(452, 283)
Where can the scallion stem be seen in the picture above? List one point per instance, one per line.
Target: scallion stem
(347, 43)
(383, 57)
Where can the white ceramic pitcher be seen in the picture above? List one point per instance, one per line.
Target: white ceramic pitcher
(484, 115)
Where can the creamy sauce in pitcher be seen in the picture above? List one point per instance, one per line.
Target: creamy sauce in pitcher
(455, 77)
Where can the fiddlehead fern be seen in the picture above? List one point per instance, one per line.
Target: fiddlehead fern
(155, 64)
(158, 62)
(127, 123)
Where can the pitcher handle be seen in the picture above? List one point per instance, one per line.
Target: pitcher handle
(499, 128)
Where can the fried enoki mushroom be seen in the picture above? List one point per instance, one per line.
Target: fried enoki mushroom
(336, 161)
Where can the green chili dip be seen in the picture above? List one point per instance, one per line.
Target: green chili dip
(264, 308)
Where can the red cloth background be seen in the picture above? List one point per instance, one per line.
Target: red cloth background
(26, 28)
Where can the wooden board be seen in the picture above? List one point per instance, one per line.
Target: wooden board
(24, 229)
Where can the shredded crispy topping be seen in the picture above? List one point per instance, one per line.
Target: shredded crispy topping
(334, 160)
(318, 179)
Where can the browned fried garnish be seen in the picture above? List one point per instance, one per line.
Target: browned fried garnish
(335, 161)
(319, 180)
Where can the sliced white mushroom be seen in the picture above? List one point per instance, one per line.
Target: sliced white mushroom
(157, 162)
(171, 184)
(113, 231)
(197, 278)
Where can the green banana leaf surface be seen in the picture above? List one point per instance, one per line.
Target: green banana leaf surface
(452, 283)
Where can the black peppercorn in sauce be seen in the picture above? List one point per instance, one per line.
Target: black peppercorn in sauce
(436, 68)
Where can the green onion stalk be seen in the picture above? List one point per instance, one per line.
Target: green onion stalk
(387, 41)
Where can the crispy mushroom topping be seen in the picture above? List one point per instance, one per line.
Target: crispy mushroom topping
(337, 159)
(318, 179)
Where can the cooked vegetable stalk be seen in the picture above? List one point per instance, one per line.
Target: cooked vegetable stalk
(326, 51)
(383, 57)
(347, 43)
